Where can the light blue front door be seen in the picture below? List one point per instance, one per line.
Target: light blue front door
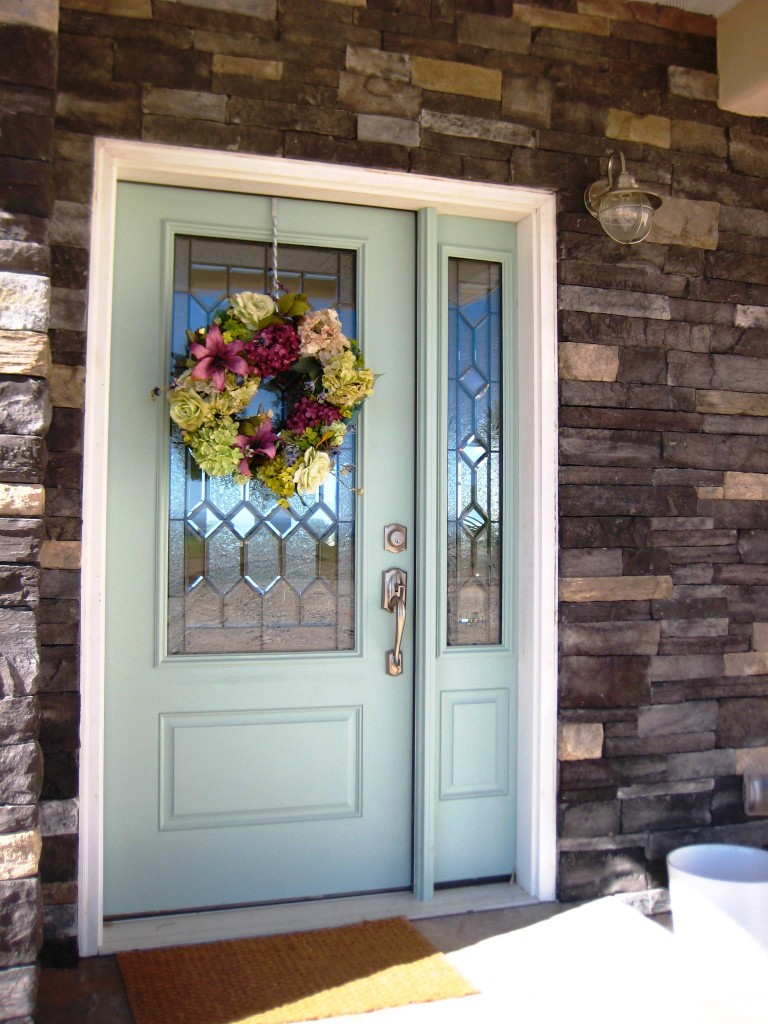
(255, 748)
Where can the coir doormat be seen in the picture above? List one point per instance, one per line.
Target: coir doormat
(284, 979)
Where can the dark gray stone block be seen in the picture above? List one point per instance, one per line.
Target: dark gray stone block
(21, 932)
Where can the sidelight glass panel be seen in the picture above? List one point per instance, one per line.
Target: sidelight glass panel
(474, 452)
(246, 575)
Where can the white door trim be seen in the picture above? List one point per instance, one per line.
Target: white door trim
(534, 212)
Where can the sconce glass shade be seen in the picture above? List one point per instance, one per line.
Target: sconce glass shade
(624, 210)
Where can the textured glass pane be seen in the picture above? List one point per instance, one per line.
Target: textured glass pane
(245, 574)
(474, 452)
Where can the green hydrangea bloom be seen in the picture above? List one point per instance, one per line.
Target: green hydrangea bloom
(278, 478)
(233, 329)
(344, 384)
(233, 399)
(213, 447)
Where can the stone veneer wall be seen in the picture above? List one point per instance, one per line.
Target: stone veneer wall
(28, 43)
(664, 354)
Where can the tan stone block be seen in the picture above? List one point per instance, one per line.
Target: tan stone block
(694, 85)
(60, 554)
(649, 129)
(453, 77)
(56, 894)
(750, 663)
(675, 19)
(25, 352)
(760, 636)
(617, 10)
(36, 13)
(615, 588)
(710, 493)
(19, 854)
(688, 222)
(364, 61)
(588, 362)
(746, 486)
(528, 100)
(248, 67)
(577, 741)
(67, 386)
(115, 8)
(22, 499)
(751, 759)
(732, 403)
(539, 18)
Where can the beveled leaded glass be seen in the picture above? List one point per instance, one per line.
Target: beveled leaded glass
(474, 452)
(246, 575)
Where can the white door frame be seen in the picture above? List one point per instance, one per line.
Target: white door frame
(534, 213)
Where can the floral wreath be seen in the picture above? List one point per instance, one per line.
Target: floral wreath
(283, 346)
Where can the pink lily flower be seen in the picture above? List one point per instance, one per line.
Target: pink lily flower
(262, 442)
(216, 357)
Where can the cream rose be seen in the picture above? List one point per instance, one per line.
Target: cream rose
(252, 307)
(312, 471)
(189, 411)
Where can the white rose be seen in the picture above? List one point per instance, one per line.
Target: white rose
(251, 307)
(312, 471)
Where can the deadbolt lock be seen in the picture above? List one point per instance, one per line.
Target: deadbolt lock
(395, 537)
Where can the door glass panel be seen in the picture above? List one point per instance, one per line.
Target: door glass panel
(474, 452)
(246, 575)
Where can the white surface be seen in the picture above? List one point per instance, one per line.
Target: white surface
(534, 211)
(719, 896)
(602, 962)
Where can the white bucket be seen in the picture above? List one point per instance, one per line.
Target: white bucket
(719, 897)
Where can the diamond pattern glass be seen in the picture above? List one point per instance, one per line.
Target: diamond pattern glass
(246, 575)
(474, 452)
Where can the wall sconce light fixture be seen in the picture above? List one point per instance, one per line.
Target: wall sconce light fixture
(624, 210)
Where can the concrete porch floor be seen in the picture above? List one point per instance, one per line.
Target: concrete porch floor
(93, 993)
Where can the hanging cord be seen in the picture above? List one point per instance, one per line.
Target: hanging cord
(275, 284)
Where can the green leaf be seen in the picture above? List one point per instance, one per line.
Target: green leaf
(308, 366)
(285, 302)
(292, 305)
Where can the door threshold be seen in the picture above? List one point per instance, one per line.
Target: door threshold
(215, 925)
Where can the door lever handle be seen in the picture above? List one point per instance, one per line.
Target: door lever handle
(393, 599)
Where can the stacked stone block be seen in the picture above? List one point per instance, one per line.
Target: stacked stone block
(663, 678)
(27, 102)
